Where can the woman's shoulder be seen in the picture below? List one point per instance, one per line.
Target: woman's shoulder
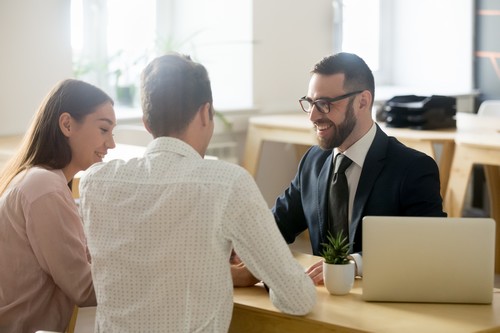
(37, 181)
(45, 176)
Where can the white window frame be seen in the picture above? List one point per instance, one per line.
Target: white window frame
(384, 75)
(169, 22)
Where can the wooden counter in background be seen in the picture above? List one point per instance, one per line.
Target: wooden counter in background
(297, 129)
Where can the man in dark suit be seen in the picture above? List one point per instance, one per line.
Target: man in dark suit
(385, 177)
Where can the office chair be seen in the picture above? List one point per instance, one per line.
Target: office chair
(489, 108)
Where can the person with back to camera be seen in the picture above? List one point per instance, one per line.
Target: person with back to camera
(44, 261)
(161, 228)
(384, 177)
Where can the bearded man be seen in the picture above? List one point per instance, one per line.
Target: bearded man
(385, 177)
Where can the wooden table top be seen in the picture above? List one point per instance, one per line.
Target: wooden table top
(350, 313)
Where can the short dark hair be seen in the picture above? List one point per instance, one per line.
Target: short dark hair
(173, 87)
(358, 76)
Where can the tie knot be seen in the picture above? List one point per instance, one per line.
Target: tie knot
(342, 162)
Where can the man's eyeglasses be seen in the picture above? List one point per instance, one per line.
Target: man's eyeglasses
(323, 104)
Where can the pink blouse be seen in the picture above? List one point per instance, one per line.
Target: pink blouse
(44, 261)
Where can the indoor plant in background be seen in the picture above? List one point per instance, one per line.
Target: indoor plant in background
(338, 270)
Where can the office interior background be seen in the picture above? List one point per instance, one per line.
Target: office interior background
(259, 54)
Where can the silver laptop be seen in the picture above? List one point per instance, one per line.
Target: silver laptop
(427, 259)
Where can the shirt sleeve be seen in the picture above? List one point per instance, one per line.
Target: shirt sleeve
(256, 238)
(55, 232)
(358, 259)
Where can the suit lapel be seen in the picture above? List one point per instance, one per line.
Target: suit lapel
(373, 165)
(323, 178)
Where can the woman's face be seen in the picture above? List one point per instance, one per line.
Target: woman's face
(91, 138)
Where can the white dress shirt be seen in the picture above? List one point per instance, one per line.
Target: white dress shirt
(160, 231)
(357, 154)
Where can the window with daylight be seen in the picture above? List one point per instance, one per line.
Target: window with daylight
(360, 27)
(113, 40)
(405, 42)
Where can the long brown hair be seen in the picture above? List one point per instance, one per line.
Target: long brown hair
(44, 144)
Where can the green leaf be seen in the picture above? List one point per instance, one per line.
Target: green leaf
(336, 250)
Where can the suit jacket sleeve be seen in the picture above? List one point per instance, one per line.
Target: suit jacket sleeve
(288, 211)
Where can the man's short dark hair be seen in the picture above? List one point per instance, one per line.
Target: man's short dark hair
(173, 87)
(358, 75)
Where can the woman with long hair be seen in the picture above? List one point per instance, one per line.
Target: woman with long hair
(44, 261)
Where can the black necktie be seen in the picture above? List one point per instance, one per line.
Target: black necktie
(338, 201)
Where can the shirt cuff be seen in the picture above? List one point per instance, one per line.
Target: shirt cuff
(358, 259)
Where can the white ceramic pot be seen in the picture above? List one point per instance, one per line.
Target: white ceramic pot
(339, 279)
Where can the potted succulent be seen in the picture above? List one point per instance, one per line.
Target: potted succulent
(338, 270)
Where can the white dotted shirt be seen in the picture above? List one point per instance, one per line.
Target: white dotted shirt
(160, 232)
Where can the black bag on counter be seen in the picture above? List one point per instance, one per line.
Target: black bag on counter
(420, 112)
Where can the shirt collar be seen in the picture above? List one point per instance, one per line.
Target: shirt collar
(170, 144)
(358, 151)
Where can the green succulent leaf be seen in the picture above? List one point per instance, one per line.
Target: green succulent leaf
(336, 250)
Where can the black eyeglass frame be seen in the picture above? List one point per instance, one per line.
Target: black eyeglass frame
(329, 101)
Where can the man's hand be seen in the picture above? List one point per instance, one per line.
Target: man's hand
(242, 276)
(240, 273)
(315, 272)
(234, 259)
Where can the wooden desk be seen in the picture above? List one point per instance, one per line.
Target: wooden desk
(476, 148)
(253, 312)
(297, 129)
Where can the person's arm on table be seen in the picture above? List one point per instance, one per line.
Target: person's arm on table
(259, 244)
(240, 273)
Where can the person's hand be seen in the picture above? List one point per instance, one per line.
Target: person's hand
(240, 273)
(234, 259)
(315, 272)
(242, 276)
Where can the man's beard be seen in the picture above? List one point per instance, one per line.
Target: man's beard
(341, 132)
